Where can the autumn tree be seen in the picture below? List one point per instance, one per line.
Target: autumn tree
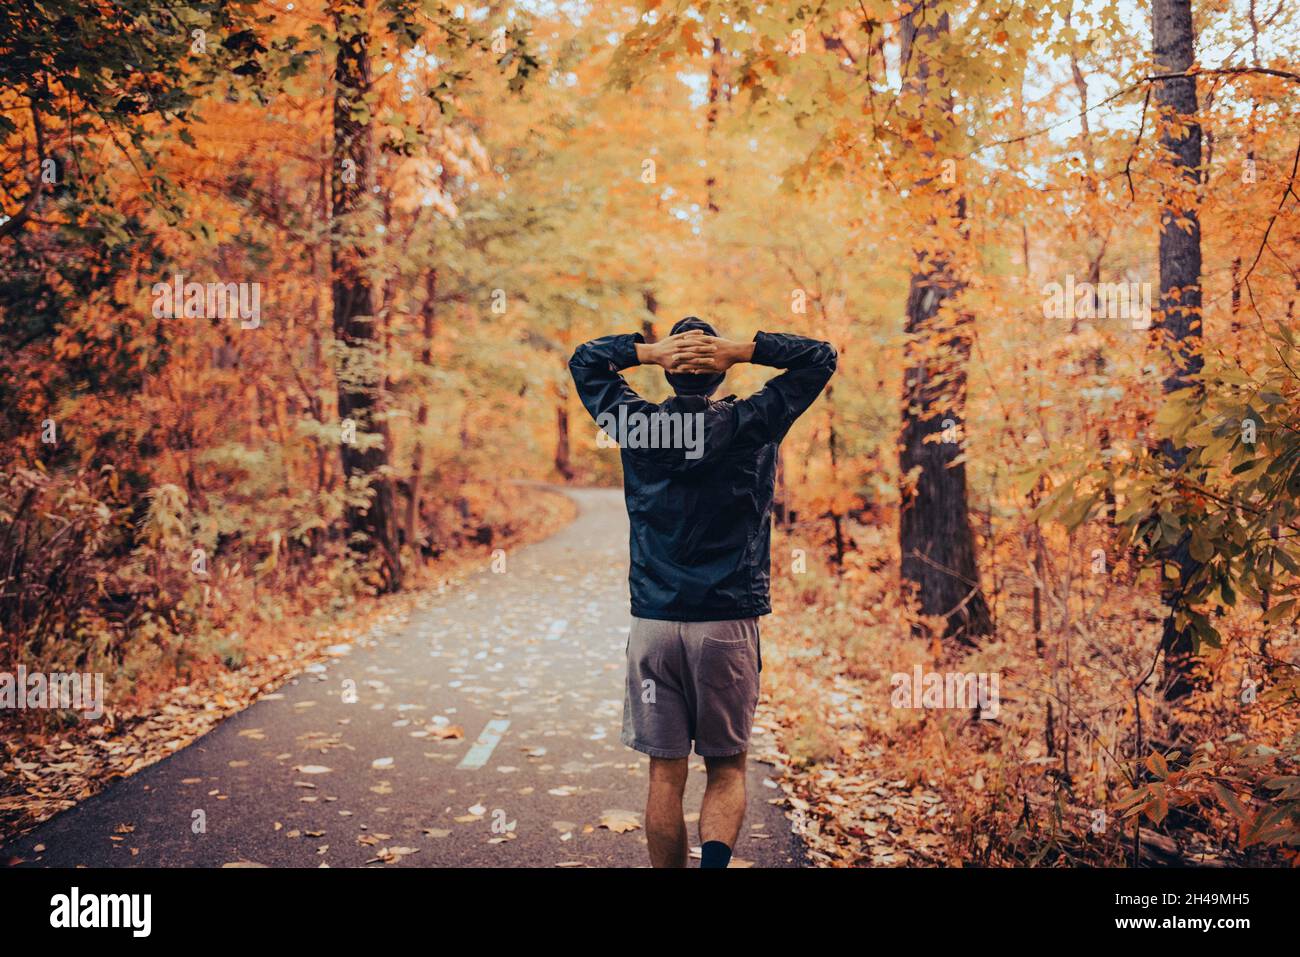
(1173, 50)
(71, 72)
(935, 535)
(363, 435)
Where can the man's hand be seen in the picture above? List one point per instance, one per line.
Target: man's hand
(694, 352)
(708, 354)
(671, 353)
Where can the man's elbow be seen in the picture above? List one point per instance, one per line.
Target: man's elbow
(579, 359)
(830, 358)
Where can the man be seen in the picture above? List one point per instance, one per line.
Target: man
(698, 478)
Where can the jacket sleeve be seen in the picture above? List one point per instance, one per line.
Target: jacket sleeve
(809, 364)
(595, 368)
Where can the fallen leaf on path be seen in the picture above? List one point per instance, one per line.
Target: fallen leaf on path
(620, 821)
(391, 855)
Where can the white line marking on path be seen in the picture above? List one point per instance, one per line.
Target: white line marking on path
(478, 755)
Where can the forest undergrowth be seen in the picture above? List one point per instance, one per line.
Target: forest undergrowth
(1052, 780)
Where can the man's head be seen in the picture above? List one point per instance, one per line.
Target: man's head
(694, 383)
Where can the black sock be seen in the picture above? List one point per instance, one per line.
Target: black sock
(714, 854)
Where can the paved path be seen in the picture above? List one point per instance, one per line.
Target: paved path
(529, 663)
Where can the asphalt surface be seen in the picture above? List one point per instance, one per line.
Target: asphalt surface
(528, 662)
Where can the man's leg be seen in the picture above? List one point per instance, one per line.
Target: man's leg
(725, 665)
(723, 810)
(665, 827)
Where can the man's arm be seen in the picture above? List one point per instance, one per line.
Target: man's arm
(595, 368)
(596, 365)
(768, 414)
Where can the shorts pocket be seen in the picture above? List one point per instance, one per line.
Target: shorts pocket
(727, 663)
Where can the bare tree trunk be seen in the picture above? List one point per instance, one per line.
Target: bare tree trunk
(1236, 298)
(935, 535)
(652, 310)
(428, 314)
(837, 520)
(715, 90)
(780, 506)
(353, 298)
(563, 461)
(1180, 282)
(1097, 244)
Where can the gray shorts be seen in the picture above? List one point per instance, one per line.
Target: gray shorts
(691, 680)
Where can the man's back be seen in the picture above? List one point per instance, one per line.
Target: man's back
(700, 533)
(699, 474)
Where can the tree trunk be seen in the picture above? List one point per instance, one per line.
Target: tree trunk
(1180, 282)
(652, 313)
(353, 297)
(711, 119)
(1236, 298)
(563, 462)
(935, 535)
(780, 508)
(832, 444)
(429, 317)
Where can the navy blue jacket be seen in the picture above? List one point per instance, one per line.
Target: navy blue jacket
(699, 475)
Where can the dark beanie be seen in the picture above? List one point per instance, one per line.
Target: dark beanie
(693, 383)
